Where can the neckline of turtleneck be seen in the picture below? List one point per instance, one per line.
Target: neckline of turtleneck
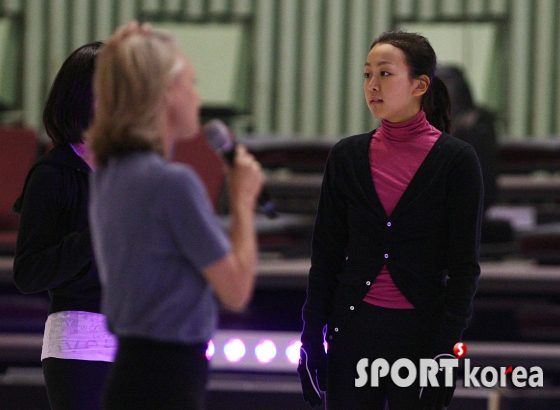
(406, 131)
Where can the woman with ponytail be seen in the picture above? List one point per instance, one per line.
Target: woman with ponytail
(394, 262)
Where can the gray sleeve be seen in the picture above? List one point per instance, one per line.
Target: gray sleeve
(192, 221)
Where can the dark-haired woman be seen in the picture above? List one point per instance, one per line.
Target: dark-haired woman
(394, 261)
(54, 251)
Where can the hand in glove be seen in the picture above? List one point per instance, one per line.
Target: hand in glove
(438, 398)
(312, 371)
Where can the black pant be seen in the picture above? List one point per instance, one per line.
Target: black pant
(376, 332)
(74, 384)
(156, 375)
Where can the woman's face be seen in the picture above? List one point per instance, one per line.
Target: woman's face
(391, 94)
(184, 102)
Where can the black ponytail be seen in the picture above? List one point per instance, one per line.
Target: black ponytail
(436, 103)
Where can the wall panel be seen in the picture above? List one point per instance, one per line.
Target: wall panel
(287, 64)
(80, 23)
(34, 63)
(519, 67)
(332, 70)
(242, 8)
(57, 39)
(104, 18)
(358, 45)
(126, 11)
(310, 82)
(194, 9)
(541, 114)
(264, 60)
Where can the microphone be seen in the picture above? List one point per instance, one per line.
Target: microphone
(219, 136)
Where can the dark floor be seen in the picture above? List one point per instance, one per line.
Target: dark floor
(33, 397)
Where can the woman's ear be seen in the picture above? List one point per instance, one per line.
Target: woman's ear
(422, 84)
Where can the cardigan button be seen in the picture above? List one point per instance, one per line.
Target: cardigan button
(388, 223)
(368, 283)
(336, 329)
(330, 337)
(386, 256)
(351, 307)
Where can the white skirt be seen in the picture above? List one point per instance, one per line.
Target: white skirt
(78, 335)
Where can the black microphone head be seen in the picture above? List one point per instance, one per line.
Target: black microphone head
(218, 135)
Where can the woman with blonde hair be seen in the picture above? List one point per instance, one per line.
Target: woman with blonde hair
(163, 257)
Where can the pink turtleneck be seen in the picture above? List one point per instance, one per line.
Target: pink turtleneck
(396, 151)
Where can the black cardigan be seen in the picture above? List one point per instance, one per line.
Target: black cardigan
(430, 243)
(53, 250)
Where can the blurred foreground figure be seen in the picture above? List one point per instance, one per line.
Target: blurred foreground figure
(163, 257)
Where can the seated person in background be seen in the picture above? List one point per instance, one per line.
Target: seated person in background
(476, 126)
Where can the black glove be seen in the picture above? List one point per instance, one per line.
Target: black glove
(312, 371)
(438, 398)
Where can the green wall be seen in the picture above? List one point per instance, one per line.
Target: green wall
(301, 60)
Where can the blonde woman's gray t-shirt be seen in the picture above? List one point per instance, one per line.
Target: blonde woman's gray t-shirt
(154, 230)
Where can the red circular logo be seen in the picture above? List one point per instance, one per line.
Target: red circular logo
(460, 350)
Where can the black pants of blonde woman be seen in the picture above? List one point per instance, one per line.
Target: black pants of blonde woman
(74, 384)
(150, 375)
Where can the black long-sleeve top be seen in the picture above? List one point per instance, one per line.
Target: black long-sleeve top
(53, 250)
(430, 243)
